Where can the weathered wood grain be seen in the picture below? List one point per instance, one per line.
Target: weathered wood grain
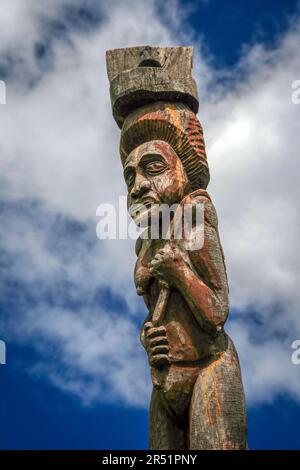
(197, 399)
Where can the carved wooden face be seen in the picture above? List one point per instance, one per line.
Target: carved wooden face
(154, 175)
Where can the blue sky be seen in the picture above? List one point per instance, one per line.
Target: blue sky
(76, 376)
(227, 27)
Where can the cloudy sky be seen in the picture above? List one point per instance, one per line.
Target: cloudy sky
(69, 314)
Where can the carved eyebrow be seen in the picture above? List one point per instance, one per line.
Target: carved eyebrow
(150, 157)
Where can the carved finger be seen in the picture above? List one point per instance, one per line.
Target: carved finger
(156, 331)
(162, 349)
(148, 325)
(151, 270)
(154, 271)
(158, 341)
(159, 361)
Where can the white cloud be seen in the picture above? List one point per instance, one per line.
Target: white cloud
(59, 157)
(101, 355)
(253, 140)
(59, 160)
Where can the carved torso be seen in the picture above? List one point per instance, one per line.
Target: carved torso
(189, 342)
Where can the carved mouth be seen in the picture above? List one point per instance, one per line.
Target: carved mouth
(142, 205)
(148, 202)
(140, 212)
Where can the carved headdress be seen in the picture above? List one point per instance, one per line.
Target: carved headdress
(154, 97)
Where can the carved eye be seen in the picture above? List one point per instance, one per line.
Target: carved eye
(155, 167)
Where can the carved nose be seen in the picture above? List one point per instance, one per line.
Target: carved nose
(140, 188)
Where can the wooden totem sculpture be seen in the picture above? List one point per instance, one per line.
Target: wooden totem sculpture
(197, 399)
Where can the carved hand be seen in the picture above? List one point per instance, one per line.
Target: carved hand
(157, 345)
(167, 262)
